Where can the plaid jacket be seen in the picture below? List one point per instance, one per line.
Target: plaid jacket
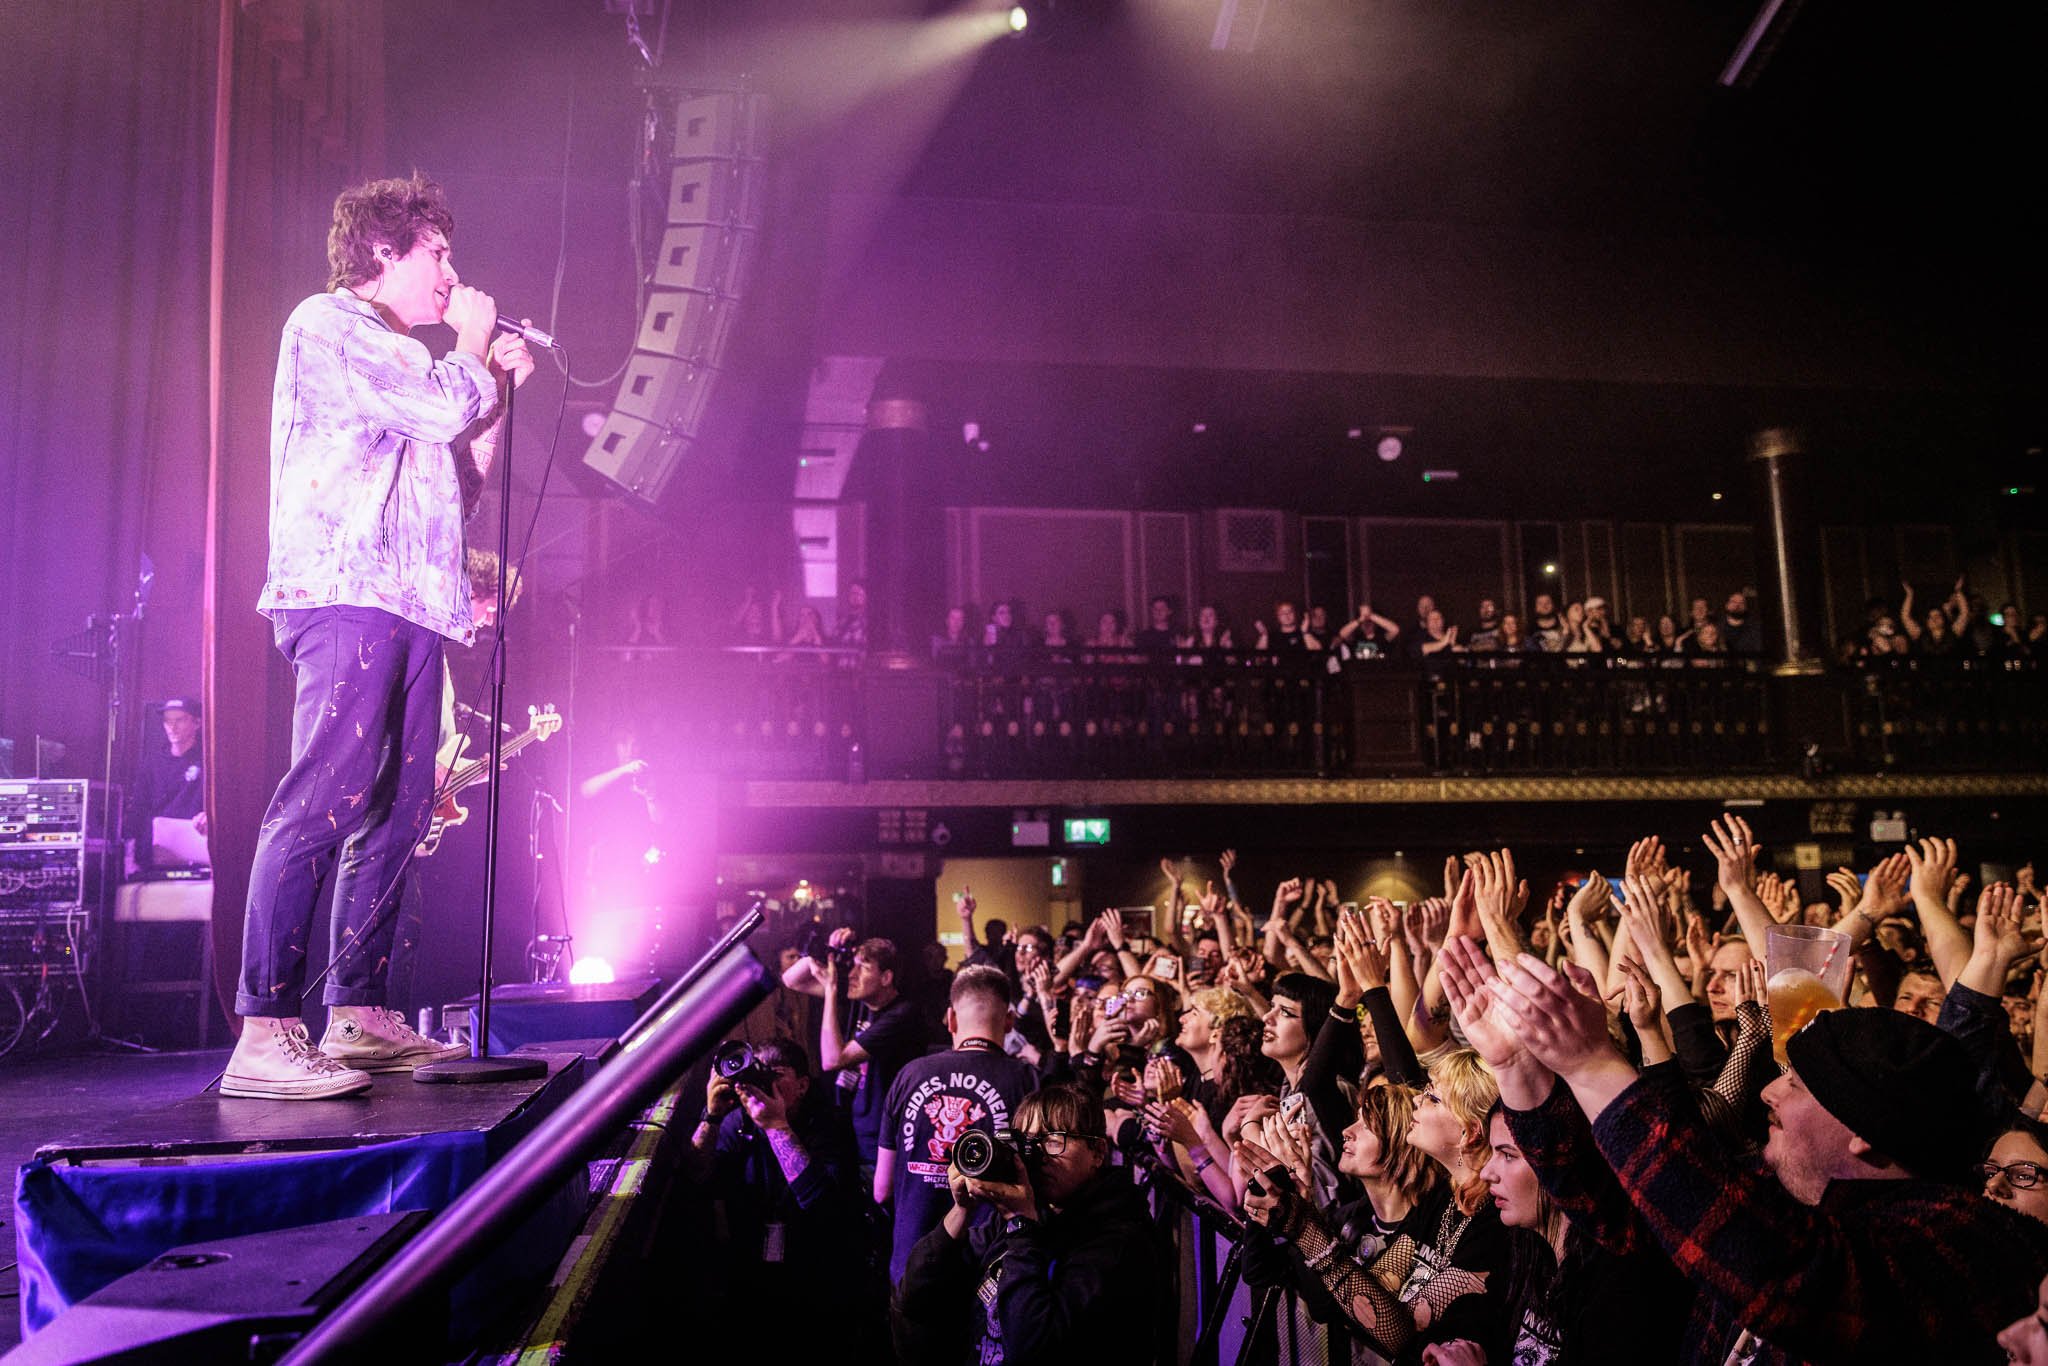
(1879, 1271)
(365, 505)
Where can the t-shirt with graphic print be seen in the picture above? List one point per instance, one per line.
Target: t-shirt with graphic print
(935, 1100)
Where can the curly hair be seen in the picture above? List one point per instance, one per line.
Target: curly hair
(1241, 1068)
(382, 213)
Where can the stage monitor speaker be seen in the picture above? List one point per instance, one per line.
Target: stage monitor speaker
(227, 1299)
(665, 392)
(640, 457)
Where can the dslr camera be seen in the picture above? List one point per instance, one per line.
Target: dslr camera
(816, 944)
(736, 1063)
(1000, 1157)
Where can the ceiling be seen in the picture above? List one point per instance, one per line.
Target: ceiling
(1883, 156)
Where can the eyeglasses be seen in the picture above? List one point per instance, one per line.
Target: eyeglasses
(1140, 994)
(1053, 1142)
(2022, 1176)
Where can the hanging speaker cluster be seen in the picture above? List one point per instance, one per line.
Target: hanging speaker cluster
(714, 192)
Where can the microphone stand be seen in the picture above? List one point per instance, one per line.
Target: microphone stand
(480, 1065)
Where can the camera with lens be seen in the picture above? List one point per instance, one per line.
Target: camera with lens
(736, 1063)
(817, 944)
(1000, 1157)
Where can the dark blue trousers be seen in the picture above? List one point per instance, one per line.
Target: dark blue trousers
(364, 728)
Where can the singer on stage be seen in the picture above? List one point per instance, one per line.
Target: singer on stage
(377, 452)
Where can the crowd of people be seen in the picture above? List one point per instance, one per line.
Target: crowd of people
(1962, 624)
(1598, 1125)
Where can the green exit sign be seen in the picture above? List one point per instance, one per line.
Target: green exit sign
(1090, 830)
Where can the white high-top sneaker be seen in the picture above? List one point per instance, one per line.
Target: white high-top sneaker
(278, 1062)
(376, 1039)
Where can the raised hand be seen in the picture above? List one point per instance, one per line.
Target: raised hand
(1733, 845)
(1162, 1078)
(1432, 921)
(1589, 901)
(1646, 860)
(1997, 931)
(1465, 921)
(1296, 1147)
(1228, 860)
(1884, 891)
(1285, 895)
(1112, 926)
(1559, 1016)
(1081, 1024)
(1933, 863)
(1173, 1120)
(1848, 891)
(1359, 955)
(1640, 998)
(1497, 898)
(1753, 983)
(1470, 984)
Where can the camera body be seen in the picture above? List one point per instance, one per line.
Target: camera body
(817, 945)
(735, 1062)
(1001, 1157)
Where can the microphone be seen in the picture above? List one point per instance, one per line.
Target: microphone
(532, 334)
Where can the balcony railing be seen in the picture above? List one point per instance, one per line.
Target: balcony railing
(1080, 714)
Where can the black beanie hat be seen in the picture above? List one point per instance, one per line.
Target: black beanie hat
(1900, 1084)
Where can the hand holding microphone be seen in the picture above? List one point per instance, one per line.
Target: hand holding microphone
(473, 314)
(509, 354)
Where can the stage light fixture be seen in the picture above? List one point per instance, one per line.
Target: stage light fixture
(1549, 571)
(1390, 448)
(590, 972)
(1020, 18)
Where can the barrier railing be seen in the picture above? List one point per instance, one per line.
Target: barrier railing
(791, 712)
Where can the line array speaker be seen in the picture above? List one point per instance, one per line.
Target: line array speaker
(700, 271)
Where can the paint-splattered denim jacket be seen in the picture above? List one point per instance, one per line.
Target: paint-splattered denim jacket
(365, 505)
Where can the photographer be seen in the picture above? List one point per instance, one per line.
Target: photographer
(974, 1085)
(887, 1033)
(783, 1167)
(1067, 1270)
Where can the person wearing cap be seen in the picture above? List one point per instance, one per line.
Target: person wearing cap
(170, 780)
(1845, 1243)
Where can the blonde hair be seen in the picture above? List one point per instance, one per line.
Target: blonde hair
(1221, 1003)
(1468, 1089)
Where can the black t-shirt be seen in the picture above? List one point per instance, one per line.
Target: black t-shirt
(1153, 639)
(891, 1037)
(166, 784)
(935, 1100)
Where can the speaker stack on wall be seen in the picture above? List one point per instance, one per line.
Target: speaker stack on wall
(715, 192)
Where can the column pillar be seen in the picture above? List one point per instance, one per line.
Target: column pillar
(1791, 554)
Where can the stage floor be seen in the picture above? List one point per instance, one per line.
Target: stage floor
(46, 1099)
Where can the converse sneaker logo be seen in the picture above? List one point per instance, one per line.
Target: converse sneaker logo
(350, 1031)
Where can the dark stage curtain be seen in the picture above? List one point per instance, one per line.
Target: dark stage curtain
(103, 187)
(147, 282)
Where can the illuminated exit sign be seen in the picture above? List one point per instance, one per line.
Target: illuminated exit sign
(1089, 830)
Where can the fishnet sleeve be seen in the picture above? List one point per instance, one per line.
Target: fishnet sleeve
(1361, 1292)
(1739, 1075)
